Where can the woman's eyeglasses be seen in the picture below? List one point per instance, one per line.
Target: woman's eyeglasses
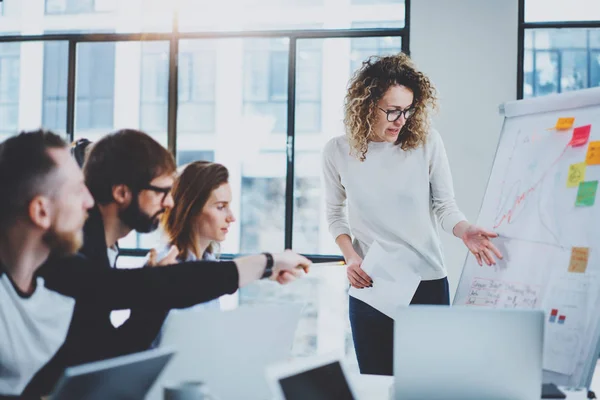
(394, 115)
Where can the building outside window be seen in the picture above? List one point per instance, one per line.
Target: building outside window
(78, 6)
(10, 69)
(562, 58)
(95, 85)
(363, 48)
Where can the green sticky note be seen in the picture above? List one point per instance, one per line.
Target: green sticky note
(586, 195)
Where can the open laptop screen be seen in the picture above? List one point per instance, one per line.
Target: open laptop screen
(322, 383)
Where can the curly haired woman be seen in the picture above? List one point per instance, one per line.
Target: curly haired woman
(392, 172)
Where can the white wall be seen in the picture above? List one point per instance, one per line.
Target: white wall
(469, 50)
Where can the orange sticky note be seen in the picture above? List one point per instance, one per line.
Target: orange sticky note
(581, 135)
(593, 153)
(564, 123)
(579, 259)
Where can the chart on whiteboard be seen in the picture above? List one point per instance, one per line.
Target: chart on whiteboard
(541, 200)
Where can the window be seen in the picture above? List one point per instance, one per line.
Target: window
(291, 14)
(8, 9)
(265, 80)
(559, 10)
(363, 48)
(309, 66)
(9, 87)
(154, 87)
(94, 86)
(196, 90)
(560, 60)
(106, 15)
(54, 111)
(188, 156)
(595, 68)
(197, 76)
(262, 209)
(307, 210)
(266, 83)
(78, 6)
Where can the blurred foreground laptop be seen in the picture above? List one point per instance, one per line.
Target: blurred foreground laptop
(228, 350)
(122, 378)
(467, 353)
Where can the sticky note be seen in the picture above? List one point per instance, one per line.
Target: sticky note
(586, 195)
(581, 135)
(564, 123)
(579, 259)
(593, 153)
(576, 174)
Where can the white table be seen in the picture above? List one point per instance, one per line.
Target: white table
(376, 387)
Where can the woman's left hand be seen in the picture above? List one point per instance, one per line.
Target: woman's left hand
(478, 242)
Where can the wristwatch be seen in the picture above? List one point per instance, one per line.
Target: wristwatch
(269, 268)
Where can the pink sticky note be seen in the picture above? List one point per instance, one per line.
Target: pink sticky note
(581, 135)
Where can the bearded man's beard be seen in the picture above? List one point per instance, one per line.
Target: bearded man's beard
(63, 243)
(137, 220)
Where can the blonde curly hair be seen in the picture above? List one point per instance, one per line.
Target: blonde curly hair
(369, 84)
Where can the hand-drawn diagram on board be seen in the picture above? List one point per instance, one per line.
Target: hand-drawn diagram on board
(527, 201)
(540, 199)
(500, 294)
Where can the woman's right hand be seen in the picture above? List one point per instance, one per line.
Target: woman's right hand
(357, 277)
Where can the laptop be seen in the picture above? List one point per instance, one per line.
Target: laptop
(467, 353)
(228, 350)
(121, 378)
(315, 378)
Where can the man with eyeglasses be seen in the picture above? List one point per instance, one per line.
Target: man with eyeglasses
(129, 175)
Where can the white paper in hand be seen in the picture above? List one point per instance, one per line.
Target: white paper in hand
(394, 282)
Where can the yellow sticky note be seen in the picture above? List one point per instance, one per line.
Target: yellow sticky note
(564, 123)
(576, 174)
(593, 153)
(579, 259)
